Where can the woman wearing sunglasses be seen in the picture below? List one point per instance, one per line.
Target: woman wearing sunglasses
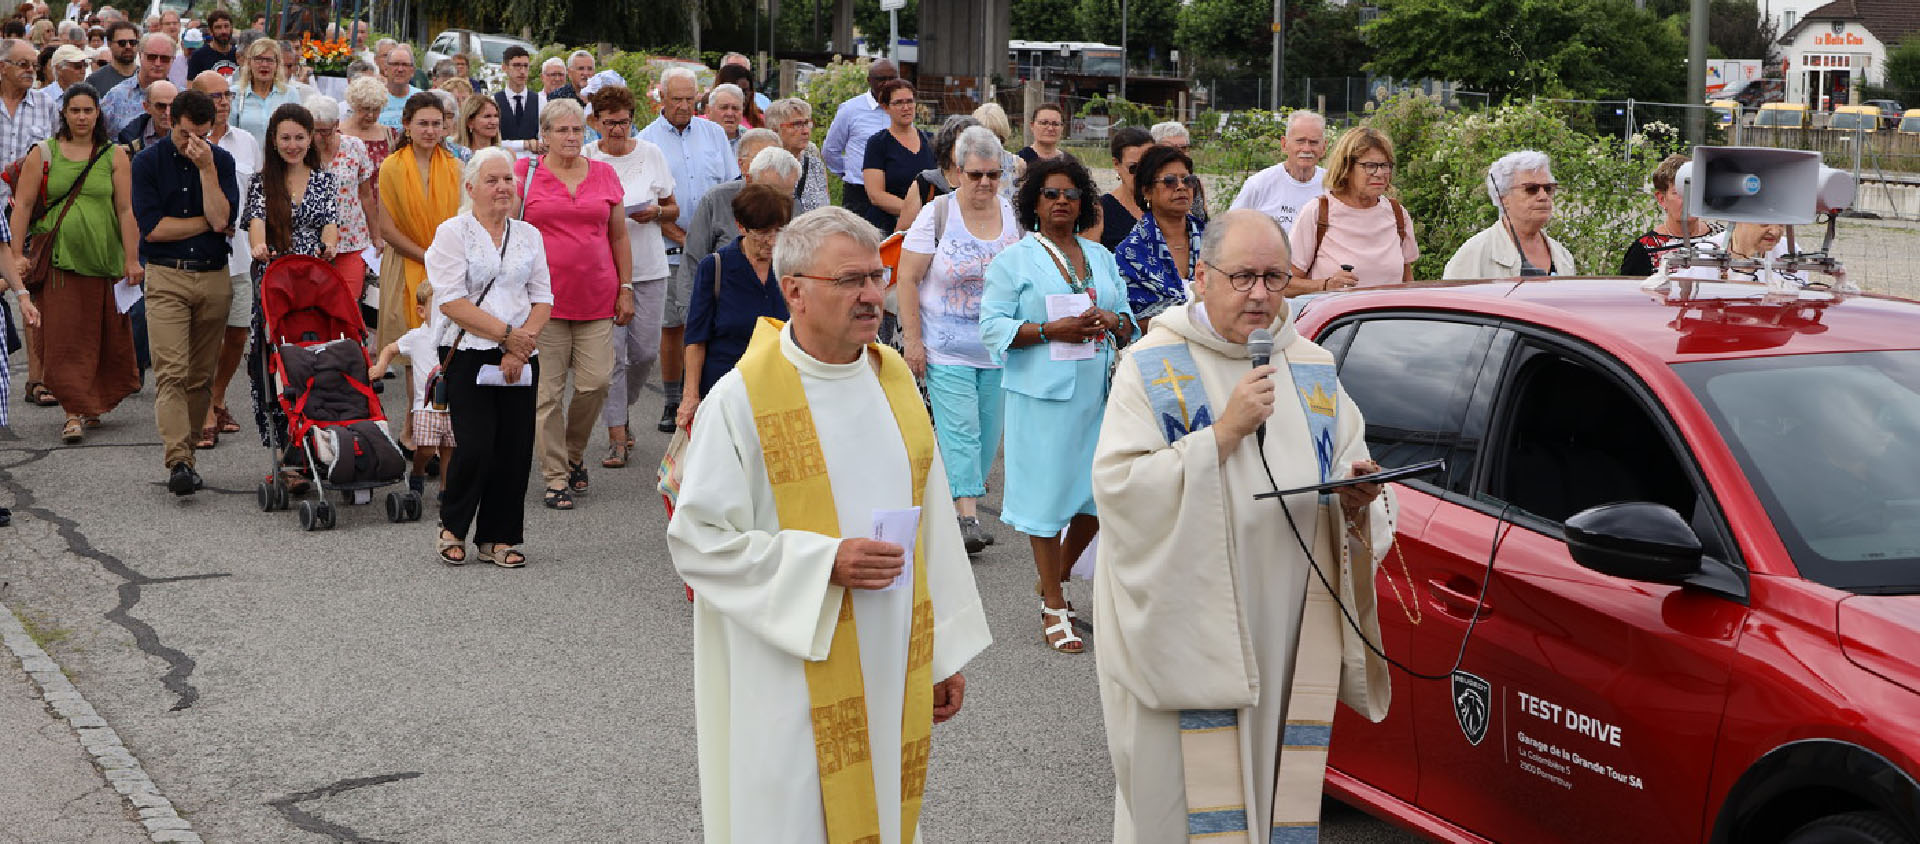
(1053, 314)
(1356, 235)
(1157, 258)
(1516, 245)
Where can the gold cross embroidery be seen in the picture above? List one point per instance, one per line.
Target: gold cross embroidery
(1172, 381)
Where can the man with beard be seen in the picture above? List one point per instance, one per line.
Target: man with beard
(219, 46)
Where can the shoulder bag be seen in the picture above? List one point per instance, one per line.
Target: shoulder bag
(437, 380)
(39, 248)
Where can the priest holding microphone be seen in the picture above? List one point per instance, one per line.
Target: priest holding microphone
(1222, 643)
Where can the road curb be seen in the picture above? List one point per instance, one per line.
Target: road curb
(117, 764)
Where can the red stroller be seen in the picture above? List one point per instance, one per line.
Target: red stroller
(316, 369)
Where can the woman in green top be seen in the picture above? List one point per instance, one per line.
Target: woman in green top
(85, 340)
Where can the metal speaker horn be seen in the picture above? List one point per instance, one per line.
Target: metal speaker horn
(1752, 184)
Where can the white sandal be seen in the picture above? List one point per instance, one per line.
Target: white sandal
(1066, 644)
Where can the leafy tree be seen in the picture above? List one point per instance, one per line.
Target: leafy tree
(1903, 67)
(1150, 26)
(1045, 20)
(1230, 33)
(1587, 48)
(1324, 39)
(1739, 31)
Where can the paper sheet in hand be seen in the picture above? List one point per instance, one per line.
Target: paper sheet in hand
(491, 376)
(125, 295)
(1060, 306)
(638, 207)
(902, 528)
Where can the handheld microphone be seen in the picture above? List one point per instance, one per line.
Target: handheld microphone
(1260, 348)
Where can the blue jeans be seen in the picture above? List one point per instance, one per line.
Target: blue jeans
(968, 409)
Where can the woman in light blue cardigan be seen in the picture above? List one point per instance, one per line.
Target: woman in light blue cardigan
(1053, 401)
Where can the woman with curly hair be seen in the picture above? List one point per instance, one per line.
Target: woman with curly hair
(1054, 371)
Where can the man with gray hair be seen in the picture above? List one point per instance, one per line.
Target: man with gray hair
(1191, 567)
(579, 70)
(1282, 190)
(701, 159)
(396, 69)
(762, 161)
(124, 103)
(727, 105)
(803, 626)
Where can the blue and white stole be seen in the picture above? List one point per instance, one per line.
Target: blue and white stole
(1211, 760)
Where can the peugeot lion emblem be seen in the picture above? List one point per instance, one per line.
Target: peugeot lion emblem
(1472, 705)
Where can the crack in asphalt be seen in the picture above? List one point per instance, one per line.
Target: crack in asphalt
(290, 809)
(179, 665)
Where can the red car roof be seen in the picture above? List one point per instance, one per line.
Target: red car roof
(1720, 320)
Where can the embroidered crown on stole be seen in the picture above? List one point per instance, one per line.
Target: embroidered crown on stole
(1318, 401)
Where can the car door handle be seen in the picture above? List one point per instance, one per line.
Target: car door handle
(1457, 596)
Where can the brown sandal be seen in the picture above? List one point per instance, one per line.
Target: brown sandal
(616, 457)
(225, 420)
(209, 437)
(37, 393)
(71, 433)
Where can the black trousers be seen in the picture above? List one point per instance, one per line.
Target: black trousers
(486, 484)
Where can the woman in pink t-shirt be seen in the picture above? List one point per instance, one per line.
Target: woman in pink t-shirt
(1355, 235)
(580, 208)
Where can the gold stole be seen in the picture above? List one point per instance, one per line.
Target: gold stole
(803, 496)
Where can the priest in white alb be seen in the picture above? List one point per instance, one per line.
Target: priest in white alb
(822, 656)
(1222, 651)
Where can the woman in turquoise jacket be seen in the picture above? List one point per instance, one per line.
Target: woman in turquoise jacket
(1057, 353)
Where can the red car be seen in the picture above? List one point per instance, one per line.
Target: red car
(1703, 621)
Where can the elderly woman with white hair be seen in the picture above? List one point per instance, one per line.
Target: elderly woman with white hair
(943, 269)
(1521, 186)
(579, 206)
(792, 119)
(354, 174)
(491, 280)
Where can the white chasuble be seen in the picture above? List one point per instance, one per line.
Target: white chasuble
(1199, 589)
(763, 606)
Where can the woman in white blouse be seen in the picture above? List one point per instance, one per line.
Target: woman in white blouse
(489, 277)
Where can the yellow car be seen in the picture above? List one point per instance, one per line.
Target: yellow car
(1910, 122)
(1781, 116)
(1724, 111)
(1848, 118)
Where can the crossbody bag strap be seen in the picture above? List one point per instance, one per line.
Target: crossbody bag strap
(1319, 231)
(75, 187)
(506, 236)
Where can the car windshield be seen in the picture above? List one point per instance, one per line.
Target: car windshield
(1910, 124)
(1777, 117)
(1851, 120)
(1831, 446)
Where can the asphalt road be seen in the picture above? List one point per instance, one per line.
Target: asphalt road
(282, 686)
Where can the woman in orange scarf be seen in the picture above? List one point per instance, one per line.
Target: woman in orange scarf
(419, 190)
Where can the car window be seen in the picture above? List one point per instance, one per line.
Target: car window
(494, 50)
(1575, 438)
(1413, 380)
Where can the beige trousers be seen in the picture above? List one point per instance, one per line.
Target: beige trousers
(186, 322)
(583, 348)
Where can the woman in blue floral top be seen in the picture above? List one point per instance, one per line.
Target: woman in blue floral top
(1157, 258)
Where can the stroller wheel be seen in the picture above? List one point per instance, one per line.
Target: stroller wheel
(282, 499)
(396, 507)
(324, 512)
(414, 506)
(309, 516)
(264, 492)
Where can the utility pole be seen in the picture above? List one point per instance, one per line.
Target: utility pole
(1123, 49)
(892, 8)
(1697, 74)
(1279, 51)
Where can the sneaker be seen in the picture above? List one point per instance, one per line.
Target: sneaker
(972, 534)
(183, 480)
(668, 418)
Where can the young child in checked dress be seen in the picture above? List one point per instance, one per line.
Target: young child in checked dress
(432, 429)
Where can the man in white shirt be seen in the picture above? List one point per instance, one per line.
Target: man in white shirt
(519, 104)
(246, 151)
(170, 24)
(1282, 190)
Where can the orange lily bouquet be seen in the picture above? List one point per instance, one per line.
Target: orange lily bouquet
(326, 56)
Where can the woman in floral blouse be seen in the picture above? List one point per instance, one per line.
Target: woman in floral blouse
(345, 156)
(292, 208)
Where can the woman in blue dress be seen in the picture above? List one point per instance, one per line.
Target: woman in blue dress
(1056, 353)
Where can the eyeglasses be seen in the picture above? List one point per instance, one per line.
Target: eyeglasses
(765, 234)
(567, 130)
(126, 42)
(1172, 182)
(223, 95)
(1050, 124)
(1072, 194)
(1375, 168)
(159, 57)
(1534, 188)
(879, 279)
(908, 101)
(977, 175)
(802, 123)
(616, 124)
(1243, 280)
(19, 63)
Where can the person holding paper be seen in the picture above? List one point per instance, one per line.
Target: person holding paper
(1221, 651)
(490, 278)
(1053, 313)
(816, 686)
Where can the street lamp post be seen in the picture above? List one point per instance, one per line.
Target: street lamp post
(1279, 50)
(1123, 49)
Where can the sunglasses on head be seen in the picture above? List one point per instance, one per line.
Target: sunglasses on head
(1056, 193)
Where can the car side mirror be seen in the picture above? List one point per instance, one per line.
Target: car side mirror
(1635, 540)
